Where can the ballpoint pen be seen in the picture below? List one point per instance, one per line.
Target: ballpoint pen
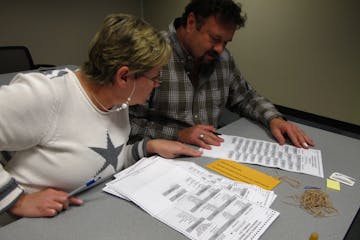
(83, 187)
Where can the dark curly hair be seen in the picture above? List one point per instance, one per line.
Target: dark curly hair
(225, 11)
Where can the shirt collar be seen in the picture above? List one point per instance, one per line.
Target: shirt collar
(179, 50)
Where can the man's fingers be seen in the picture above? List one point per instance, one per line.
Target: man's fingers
(309, 140)
(207, 127)
(210, 138)
(201, 143)
(295, 139)
(279, 137)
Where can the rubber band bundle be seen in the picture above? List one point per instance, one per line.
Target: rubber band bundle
(316, 203)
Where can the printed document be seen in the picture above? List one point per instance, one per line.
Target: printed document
(269, 154)
(249, 192)
(193, 201)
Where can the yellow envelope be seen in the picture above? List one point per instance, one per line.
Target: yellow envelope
(242, 173)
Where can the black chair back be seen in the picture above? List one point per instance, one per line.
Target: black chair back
(15, 59)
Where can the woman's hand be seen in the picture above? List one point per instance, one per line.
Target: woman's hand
(45, 203)
(170, 149)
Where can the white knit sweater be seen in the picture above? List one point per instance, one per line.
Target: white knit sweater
(57, 136)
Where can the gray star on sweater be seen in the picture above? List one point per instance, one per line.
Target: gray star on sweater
(110, 154)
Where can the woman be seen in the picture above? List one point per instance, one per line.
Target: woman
(66, 127)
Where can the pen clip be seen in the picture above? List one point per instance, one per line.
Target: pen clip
(92, 181)
(85, 186)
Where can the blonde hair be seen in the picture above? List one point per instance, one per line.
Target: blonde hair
(125, 40)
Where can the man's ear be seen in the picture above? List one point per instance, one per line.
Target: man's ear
(121, 76)
(191, 22)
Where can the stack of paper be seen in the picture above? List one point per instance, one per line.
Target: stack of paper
(194, 201)
(268, 154)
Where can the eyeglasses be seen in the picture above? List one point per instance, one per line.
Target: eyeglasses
(155, 79)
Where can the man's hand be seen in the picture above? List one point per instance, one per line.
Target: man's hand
(200, 135)
(45, 203)
(170, 149)
(279, 128)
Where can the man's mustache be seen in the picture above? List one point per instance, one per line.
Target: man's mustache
(213, 53)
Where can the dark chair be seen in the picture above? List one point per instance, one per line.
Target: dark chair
(16, 59)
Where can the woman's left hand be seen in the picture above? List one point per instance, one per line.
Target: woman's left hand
(170, 149)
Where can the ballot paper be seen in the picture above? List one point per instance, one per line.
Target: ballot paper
(193, 201)
(250, 192)
(269, 154)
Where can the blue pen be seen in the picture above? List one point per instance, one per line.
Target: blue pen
(311, 187)
(83, 187)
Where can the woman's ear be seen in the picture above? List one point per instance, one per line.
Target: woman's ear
(121, 76)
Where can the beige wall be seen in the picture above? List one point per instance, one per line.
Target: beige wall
(300, 54)
(57, 32)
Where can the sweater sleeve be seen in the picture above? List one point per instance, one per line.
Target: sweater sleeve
(26, 110)
(10, 191)
(136, 151)
(27, 106)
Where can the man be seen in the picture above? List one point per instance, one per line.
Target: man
(202, 79)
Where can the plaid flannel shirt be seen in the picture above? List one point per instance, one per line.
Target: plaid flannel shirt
(176, 104)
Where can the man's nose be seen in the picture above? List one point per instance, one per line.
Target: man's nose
(219, 47)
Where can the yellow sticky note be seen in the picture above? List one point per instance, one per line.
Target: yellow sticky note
(240, 172)
(333, 184)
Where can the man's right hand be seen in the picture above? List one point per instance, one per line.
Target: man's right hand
(45, 203)
(200, 135)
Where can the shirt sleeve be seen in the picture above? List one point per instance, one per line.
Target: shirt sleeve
(27, 107)
(244, 100)
(136, 151)
(25, 118)
(142, 127)
(10, 191)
